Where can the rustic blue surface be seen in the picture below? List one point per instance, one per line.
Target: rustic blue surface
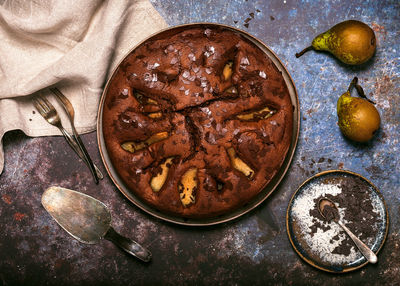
(253, 249)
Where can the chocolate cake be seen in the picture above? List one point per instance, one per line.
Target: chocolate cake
(197, 121)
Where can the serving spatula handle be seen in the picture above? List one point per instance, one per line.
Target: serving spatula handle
(130, 246)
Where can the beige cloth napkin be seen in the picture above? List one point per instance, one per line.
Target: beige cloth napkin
(73, 44)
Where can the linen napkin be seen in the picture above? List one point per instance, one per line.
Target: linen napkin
(74, 45)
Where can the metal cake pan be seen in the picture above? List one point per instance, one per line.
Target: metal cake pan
(264, 194)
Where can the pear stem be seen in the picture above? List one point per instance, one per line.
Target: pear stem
(298, 55)
(359, 89)
(353, 83)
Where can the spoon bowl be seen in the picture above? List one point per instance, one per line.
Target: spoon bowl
(328, 209)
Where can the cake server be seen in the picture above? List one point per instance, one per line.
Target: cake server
(87, 220)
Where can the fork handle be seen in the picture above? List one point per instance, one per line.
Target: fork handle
(74, 145)
(86, 155)
(69, 110)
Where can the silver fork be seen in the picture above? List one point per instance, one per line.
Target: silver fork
(69, 110)
(49, 113)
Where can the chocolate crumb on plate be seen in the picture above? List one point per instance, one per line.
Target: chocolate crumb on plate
(330, 213)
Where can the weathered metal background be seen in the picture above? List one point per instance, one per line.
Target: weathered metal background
(254, 249)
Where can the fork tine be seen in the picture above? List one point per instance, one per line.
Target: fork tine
(40, 102)
(39, 107)
(45, 103)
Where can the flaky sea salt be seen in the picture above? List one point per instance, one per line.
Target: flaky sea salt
(211, 138)
(152, 66)
(206, 110)
(147, 77)
(203, 83)
(170, 48)
(195, 69)
(125, 91)
(192, 57)
(125, 120)
(244, 61)
(262, 74)
(210, 50)
(208, 70)
(150, 77)
(185, 74)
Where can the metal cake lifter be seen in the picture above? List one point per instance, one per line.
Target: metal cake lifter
(87, 219)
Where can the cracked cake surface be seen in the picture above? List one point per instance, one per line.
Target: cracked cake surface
(197, 121)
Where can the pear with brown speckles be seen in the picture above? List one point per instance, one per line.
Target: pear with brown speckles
(352, 42)
(358, 118)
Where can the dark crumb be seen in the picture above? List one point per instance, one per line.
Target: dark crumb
(258, 11)
(330, 213)
(251, 15)
(235, 22)
(246, 25)
(272, 18)
(33, 112)
(30, 119)
(247, 20)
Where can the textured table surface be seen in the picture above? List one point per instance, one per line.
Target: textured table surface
(253, 249)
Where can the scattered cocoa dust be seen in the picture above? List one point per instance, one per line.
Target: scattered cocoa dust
(19, 216)
(6, 199)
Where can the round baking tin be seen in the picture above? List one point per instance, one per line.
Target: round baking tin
(256, 200)
(301, 247)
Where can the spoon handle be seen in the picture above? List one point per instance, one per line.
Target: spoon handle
(368, 253)
(130, 246)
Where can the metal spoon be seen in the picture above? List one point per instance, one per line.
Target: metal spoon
(326, 203)
(87, 219)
